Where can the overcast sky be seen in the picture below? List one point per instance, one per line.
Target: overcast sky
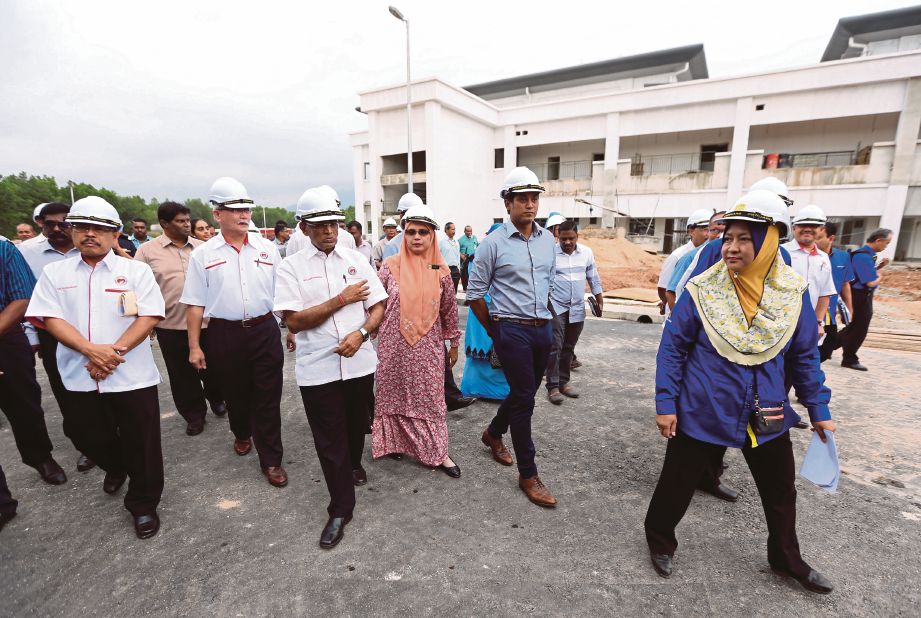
(161, 98)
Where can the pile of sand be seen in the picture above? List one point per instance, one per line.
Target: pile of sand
(621, 263)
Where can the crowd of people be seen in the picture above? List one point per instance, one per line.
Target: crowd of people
(749, 317)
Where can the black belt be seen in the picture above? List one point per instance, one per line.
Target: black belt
(523, 322)
(248, 323)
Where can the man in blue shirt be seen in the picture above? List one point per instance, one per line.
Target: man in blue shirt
(866, 281)
(515, 265)
(467, 245)
(842, 274)
(450, 251)
(20, 394)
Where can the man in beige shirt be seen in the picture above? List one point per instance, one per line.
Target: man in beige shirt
(168, 258)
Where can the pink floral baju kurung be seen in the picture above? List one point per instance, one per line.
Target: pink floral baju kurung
(410, 412)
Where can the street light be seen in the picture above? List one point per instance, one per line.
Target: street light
(409, 111)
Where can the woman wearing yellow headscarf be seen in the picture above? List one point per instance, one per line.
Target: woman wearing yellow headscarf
(720, 370)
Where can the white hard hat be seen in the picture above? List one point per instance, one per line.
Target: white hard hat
(420, 213)
(555, 218)
(229, 192)
(760, 206)
(38, 211)
(317, 205)
(520, 180)
(810, 215)
(408, 201)
(332, 192)
(774, 185)
(94, 210)
(389, 222)
(700, 217)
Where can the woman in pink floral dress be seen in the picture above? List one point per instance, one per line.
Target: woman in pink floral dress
(410, 412)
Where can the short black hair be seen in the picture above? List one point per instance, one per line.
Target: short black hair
(352, 224)
(167, 211)
(568, 226)
(831, 228)
(280, 226)
(54, 208)
(447, 224)
(879, 234)
(139, 220)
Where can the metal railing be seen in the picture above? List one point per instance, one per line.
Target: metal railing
(669, 164)
(812, 159)
(564, 170)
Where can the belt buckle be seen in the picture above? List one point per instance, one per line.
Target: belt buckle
(244, 324)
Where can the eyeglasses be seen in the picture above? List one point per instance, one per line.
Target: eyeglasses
(421, 232)
(64, 226)
(89, 227)
(239, 210)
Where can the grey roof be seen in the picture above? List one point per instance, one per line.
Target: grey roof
(890, 23)
(596, 72)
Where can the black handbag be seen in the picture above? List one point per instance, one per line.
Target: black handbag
(765, 421)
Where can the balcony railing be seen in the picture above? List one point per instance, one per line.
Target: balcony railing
(814, 159)
(671, 164)
(562, 170)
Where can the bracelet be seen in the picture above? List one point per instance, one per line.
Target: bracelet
(341, 299)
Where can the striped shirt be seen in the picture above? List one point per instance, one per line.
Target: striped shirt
(16, 278)
(572, 271)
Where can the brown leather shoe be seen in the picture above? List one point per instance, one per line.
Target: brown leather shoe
(243, 447)
(536, 491)
(276, 475)
(499, 452)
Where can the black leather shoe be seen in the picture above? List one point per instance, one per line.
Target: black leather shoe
(51, 472)
(220, 409)
(814, 582)
(457, 404)
(452, 471)
(662, 563)
(5, 518)
(85, 463)
(146, 526)
(194, 428)
(856, 366)
(113, 482)
(801, 425)
(333, 531)
(723, 492)
(359, 476)
(724, 465)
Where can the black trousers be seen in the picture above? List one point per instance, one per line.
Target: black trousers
(830, 344)
(190, 387)
(121, 433)
(338, 417)
(247, 364)
(21, 398)
(49, 348)
(565, 337)
(772, 467)
(455, 276)
(853, 335)
(465, 272)
(452, 393)
(7, 503)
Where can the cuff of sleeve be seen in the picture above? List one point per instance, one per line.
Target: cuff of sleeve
(473, 296)
(666, 406)
(279, 307)
(819, 413)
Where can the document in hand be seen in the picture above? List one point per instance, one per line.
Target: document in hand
(820, 466)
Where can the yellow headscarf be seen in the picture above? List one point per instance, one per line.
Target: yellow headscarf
(749, 284)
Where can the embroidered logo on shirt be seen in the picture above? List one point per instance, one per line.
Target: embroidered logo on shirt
(352, 270)
(121, 280)
(264, 255)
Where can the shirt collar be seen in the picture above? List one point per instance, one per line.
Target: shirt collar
(311, 250)
(576, 251)
(223, 241)
(109, 261)
(813, 251)
(511, 230)
(165, 241)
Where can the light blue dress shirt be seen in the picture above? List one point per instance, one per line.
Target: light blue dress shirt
(450, 251)
(572, 271)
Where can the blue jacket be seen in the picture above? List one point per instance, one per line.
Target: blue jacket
(713, 396)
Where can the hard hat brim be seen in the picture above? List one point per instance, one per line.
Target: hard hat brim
(321, 217)
(810, 222)
(90, 220)
(234, 204)
(743, 215)
(425, 220)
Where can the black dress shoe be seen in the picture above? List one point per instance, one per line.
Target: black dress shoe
(662, 563)
(723, 492)
(194, 428)
(396, 456)
(146, 526)
(814, 582)
(5, 518)
(85, 463)
(724, 465)
(113, 482)
(51, 472)
(359, 476)
(457, 404)
(333, 531)
(856, 366)
(220, 409)
(452, 471)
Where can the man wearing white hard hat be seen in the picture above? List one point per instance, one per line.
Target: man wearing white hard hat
(299, 238)
(390, 231)
(332, 300)
(101, 308)
(231, 281)
(516, 265)
(554, 219)
(697, 226)
(811, 264)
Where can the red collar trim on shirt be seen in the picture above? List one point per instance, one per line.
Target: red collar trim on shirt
(813, 251)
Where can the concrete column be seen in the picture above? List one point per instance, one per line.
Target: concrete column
(739, 150)
(433, 158)
(609, 197)
(375, 192)
(510, 149)
(906, 136)
(612, 141)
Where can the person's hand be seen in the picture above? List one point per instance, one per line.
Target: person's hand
(349, 345)
(883, 262)
(667, 424)
(452, 355)
(356, 292)
(197, 358)
(106, 356)
(96, 372)
(821, 330)
(290, 342)
(661, 307)
(820, 427)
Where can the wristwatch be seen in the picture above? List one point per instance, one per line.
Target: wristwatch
(365, 335)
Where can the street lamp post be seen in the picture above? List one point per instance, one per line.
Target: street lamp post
(409, 110)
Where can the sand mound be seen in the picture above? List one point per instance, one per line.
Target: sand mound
(620, 253)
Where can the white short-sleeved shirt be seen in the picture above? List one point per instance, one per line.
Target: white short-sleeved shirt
(815, 268)
(231, 284)
(40, 253)
(668, 266)
(88, 299)
(300, 240)
(310, 278)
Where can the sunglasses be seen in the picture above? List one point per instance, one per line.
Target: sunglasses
(64, 226)
(421, 232)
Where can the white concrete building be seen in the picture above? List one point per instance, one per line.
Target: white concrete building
(642, 141)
